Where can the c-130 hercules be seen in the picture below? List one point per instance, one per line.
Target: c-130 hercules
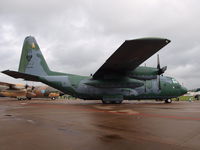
(119, 78)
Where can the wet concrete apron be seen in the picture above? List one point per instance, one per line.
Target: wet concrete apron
(89, 125)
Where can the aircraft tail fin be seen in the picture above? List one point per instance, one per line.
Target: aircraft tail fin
(32, 61)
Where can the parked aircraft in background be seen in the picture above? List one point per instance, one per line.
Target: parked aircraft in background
(120, 77)
(21, 91)
(194, 93)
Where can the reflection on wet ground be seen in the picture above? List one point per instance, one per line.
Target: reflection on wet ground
(77, 124)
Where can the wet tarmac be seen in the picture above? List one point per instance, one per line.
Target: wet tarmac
(90, 125)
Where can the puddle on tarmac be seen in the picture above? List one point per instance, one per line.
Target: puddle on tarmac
(8, 115)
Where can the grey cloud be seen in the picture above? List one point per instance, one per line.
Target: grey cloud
(78, 36)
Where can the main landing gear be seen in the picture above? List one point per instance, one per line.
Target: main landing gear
(112, 99)
(53, 98)
(112, 102)
(168, 101)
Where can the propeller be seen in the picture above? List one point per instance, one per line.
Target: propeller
(26, 86)
(32, 88)
(160, 71)
(29, 88)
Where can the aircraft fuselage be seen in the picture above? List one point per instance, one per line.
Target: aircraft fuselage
(125, 88)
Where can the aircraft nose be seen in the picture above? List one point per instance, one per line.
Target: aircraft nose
(183, 90)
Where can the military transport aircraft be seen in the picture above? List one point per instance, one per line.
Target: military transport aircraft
(22, 92)
(119, 78)
(13, 90)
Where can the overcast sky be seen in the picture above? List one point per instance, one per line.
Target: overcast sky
(77, 36)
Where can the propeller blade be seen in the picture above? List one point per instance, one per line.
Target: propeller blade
(159, 82)
(158, 62)
(164, 69)
(26, 86)
(160, 70)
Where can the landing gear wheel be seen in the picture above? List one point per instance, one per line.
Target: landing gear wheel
(106, 102)
(29, 98)
(168, 101)
(117, 102)
(53, 98)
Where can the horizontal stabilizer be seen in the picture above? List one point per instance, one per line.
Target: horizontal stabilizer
(24, 76)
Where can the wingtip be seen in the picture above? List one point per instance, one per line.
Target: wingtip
(150, 39)
(4, 71)
(167, 40)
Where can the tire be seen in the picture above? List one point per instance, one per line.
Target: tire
(106, 102)
(168, 101)
(111, 102)
(53, 98)
(117, 102)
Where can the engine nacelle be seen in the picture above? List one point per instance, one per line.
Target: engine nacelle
(122, 83)
(144, 73)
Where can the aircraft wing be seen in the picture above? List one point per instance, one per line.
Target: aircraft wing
(129, 56)
(6, 84)
(13, 86)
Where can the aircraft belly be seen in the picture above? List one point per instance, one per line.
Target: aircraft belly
(93, 92)
(149, 90)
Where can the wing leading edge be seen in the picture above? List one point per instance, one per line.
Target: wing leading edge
(129, 56)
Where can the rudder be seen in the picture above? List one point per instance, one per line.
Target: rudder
(32, 61)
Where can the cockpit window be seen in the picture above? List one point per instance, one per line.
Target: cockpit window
(174, 80)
